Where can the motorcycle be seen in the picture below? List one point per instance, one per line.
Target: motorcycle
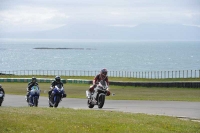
(56, 96)
(33, 97)
(1, 97)
(98, 96)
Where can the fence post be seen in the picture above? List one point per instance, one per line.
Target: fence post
(191, 73)
(161, 74)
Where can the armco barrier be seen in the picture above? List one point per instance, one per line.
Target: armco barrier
(181, 84)
(26, 80)
(79, 81)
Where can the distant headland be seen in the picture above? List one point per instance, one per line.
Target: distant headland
(66, 48)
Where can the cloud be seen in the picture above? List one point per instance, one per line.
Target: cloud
(121, 25)
(49, 14)
(39, 18)
(192, 25)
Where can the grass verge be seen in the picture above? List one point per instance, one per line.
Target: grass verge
(121, 92)
(62, 120)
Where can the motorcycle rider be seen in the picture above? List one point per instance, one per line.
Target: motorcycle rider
(30, 85)
(101, 76)
(1, 89)
(57, 81)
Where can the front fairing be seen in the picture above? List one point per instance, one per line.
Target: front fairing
(58, 89)
(35, 91)
(102, 86)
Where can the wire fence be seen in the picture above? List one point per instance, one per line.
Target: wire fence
(129, 74)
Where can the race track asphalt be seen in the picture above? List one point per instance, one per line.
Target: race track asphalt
(189, 110)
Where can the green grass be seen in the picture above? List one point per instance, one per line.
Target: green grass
(121, 92)
(63, 120)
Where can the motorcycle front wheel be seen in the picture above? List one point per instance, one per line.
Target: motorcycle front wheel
(89, 104)
(57, 100)
(1, 100)
(101, 101)
(35, 101)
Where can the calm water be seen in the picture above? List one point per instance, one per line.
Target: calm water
(113, 55)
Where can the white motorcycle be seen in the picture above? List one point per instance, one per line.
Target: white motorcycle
(98, 96)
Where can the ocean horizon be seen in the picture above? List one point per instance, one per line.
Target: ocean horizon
(93, 55)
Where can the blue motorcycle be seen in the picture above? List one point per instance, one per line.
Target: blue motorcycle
(56, 96)
(33, 96)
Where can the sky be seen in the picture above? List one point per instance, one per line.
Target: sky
(40, 15)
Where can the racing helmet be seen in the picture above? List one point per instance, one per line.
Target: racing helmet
(57, 78)
(34, 80)
(104, 72)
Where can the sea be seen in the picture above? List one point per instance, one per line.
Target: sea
(93, 55)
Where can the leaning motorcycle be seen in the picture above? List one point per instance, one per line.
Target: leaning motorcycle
(1, 97)
(56, 96)
(33, 96)
(98, 96)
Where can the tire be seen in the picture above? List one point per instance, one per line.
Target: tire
(35, 101)
(101, 101)
(89, 104)
(50, 102)
(57, 102)
(29, 99)
(1, 100)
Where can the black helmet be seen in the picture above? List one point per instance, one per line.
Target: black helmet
(34, 80)
(57, 78)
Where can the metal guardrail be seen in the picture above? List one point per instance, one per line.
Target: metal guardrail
(129, 74)
(26, 80)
